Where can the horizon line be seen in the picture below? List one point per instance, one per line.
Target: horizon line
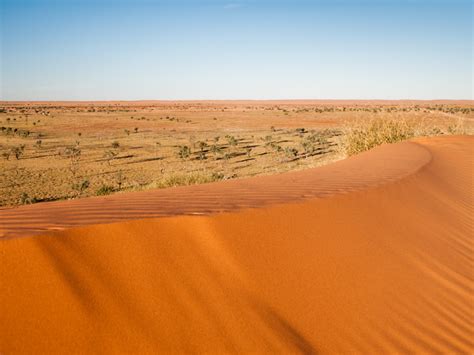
(223, 100)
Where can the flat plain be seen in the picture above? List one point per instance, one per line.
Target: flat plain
(67, 150)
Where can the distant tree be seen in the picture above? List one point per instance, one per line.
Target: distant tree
(202, 146)
(18, 151)
(74, 155)
(80, 187)
(248, 151)
(184, 152)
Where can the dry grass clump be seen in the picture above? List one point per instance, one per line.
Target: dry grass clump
(460, 127)
(368, 135)
(186, 179)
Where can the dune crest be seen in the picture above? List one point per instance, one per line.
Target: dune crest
(376, 255)
(380, 166)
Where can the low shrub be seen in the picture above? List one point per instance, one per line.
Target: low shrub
(25, 199)
(104, 190)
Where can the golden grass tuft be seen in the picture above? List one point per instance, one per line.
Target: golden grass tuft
(365, 136)
(186, 179)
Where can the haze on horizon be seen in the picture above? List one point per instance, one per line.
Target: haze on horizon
(237, 49)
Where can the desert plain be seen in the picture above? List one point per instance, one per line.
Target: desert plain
(67, 150)
(237, 227)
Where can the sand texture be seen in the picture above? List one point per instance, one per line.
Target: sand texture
(373, 254)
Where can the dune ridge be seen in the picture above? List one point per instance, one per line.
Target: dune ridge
(380, 166)
(378, 258)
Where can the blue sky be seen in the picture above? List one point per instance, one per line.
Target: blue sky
(249, 49)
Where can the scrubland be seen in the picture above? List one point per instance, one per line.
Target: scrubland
(54, 151)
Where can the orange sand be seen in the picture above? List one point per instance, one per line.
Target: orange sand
(378, 257)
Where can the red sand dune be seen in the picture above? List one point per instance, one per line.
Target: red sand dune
(377, 257)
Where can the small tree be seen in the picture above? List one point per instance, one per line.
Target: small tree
(6, 155)
(120, 179)
(248, 151)
(268, 140)
(215, 149)
(291, 152)
(110, 155)
(74, 155)
(307, 146)
(18, 151)
(80, 187)
(157, 145)
(202, 156)
(231, 140)
(184, 152)
(202, 146)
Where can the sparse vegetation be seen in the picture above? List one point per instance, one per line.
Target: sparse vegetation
(25, 199)
(187, 143)
(366, 136)
(73, 153)
(18, 151)
(80, 187)
(231, 140)
(104, 190)
(184, 152)
(187, 179)
(120, 179)
(115, 145)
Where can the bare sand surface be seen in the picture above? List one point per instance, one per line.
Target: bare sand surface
(373, 254)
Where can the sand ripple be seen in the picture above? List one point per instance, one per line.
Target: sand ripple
(370, 255)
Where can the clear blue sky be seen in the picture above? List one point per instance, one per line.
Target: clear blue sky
(236, 49)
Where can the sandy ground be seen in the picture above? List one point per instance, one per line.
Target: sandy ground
(53, 151)
(238, 102)
(373, 254)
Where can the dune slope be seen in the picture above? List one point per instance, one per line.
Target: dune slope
(380, 166)
(377, 257)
